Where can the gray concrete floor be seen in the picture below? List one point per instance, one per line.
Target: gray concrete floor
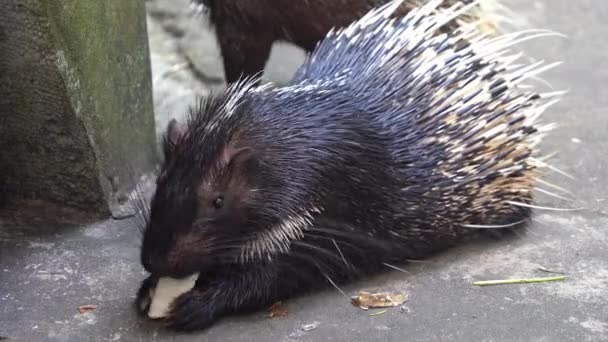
(47, 273)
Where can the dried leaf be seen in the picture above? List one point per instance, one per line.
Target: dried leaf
(276, 310)
(87, 308)
(366, 300)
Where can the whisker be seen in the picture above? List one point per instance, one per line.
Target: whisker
(554, 186)
(416, 261)
(519, 204)
(351, 246)
(551, 167)
(396, 268)
(339, 251)
(312, 234)
(547, 192)
(353, 236)
(319, 249)
(334, 284)
(308, 258)
(136, 202)
(494, 225)
(547, 157)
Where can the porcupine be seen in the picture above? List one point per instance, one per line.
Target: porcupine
(246, 30)
(391, 142)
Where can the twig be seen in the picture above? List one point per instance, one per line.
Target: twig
(378, 313)
(518, 281)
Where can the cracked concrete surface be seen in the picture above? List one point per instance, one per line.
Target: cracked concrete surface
(46, 273)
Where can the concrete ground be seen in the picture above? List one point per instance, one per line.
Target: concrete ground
(47, 272)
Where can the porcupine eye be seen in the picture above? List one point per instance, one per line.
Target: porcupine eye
(218, 202)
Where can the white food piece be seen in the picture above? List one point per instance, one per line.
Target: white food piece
(167, 289)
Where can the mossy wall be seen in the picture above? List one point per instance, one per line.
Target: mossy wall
(76, 110)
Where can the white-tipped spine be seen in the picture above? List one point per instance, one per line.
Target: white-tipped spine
(414, 38)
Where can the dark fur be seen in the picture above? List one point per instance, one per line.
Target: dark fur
(360, 145)
(246, 30)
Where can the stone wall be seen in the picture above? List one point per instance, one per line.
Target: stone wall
(76, 109)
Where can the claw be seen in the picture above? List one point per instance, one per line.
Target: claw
(192, 311)
(144, 296)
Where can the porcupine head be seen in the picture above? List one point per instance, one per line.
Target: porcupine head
(206, 205)
(216, 193)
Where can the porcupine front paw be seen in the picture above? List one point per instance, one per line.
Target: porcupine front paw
(194, 310)
(145, 295)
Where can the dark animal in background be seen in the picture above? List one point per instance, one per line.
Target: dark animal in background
(392, 142)
(246, 30)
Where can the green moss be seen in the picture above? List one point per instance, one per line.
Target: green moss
(103, 55)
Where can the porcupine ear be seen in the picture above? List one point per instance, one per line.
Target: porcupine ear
(237, 156)
(174, 132)
(240, 161)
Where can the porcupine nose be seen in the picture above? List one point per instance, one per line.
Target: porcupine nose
(160, 265)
